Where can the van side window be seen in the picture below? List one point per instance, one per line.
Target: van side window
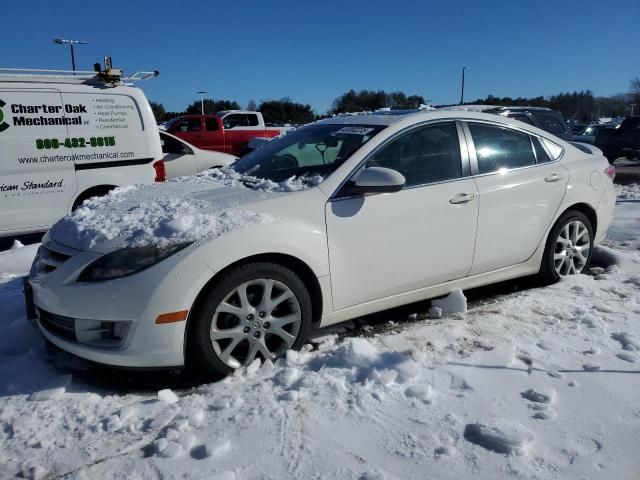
(426, 155)
(499, 147)
(211, 124)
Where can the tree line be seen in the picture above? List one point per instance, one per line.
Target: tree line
(582, 106)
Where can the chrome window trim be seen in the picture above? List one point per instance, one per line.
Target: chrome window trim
(464, 156)
(475, 171)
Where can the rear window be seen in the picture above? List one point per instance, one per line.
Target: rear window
(550, 123)
(521, 116)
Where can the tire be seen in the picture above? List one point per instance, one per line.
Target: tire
(570, 224)
(226, 332)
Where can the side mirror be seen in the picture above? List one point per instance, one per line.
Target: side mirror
(375, 180)
(227, 126)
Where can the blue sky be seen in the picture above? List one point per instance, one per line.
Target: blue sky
(314, 51)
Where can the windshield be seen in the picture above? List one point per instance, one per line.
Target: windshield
(306, 152)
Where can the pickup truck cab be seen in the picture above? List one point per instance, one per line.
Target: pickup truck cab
(228, 131)
(623, 141)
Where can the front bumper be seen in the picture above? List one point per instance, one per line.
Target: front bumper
(70, 312)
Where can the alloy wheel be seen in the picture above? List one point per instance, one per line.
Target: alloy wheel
(259, 318)
(572, 248)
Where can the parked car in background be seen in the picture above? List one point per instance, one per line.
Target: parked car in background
(228, 131)
(67, 137)
(621, 142)
(588, 133)
(181, 158)
(364, 213)
(544, 118)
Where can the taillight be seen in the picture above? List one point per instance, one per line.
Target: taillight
(161, 173)
(610, 171)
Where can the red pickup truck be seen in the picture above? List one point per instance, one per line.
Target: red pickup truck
(228, 131)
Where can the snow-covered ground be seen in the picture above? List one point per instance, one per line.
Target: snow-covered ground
(541, 383)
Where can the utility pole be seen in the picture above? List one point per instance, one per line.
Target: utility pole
(71, 43)
(202, 92)
(462, 92)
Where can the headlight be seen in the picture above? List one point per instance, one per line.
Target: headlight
(127, 262)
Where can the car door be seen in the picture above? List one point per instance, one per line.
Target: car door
(37, 174)
(520, 186)
(235, 126)
(179, 157)
(386, 244)
(214, 136)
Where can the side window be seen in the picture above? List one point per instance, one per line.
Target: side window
(252, 119)
(211, 124)
(541, 154)
(426, 155)
(550, 123)
(176, 147)
(234, 120)
(499, 147)
(190, 125)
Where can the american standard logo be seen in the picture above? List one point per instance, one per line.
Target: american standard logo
(29, 185)
(46, 115)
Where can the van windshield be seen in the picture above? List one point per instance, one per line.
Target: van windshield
(306, 152)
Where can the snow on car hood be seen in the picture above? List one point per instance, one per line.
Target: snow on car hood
(183, 210)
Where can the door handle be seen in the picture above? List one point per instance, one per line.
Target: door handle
(554, 177)
(462, 198)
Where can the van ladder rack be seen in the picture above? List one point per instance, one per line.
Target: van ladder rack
(71, 76)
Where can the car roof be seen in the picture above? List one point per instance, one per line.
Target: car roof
(409, 119)
(493, 108)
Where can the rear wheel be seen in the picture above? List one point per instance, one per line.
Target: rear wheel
(258, 310)
(569, 247)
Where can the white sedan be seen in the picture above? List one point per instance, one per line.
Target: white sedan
(182, 158)
(338, 219)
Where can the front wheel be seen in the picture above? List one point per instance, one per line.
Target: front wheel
(258, 310)
(569, 247)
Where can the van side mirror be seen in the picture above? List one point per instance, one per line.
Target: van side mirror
(374, 180)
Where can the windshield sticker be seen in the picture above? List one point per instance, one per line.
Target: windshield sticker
(355, 130)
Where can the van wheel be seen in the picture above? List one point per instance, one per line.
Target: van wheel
(569, 247)
(92, 192)
(258, 310)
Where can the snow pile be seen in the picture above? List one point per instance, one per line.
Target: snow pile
(169, 213)
(17, 260)
(628, 192)
(161, 221)
(455, 302)
(229, 177)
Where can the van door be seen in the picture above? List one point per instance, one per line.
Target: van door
(37, 175)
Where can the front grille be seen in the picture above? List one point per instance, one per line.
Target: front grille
(58, 325)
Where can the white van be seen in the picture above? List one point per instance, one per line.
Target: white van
(68, 136)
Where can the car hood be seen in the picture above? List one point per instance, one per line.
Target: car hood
(184, 210)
